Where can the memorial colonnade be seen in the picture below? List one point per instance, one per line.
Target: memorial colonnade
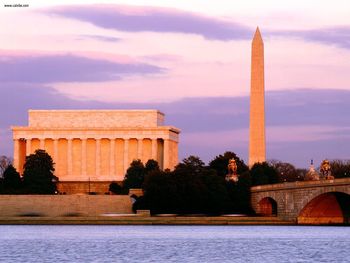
(96, 148)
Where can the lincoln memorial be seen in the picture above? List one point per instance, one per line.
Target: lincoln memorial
(91, 148)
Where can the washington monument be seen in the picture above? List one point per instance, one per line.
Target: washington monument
(257, 103)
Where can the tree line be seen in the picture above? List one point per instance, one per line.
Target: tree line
(192, 187)
(38, 175)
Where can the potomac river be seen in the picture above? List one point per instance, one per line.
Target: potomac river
(174, 244)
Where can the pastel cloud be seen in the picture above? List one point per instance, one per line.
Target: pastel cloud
(153, 19)
(298, 108)
(295, 144)
(326, 108)
(68, 68)
(338, 36)
(157, 19)
(98, 38)
(213, 125)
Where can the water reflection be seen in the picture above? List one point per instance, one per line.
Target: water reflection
(174, 244)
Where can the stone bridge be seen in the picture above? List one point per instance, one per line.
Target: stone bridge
(305, 202)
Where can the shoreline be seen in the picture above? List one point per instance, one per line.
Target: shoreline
(143, 220)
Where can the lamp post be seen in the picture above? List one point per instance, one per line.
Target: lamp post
(54, 181)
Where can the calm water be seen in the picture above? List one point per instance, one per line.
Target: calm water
(174, 244)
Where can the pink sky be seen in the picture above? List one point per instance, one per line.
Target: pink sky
(166, 52)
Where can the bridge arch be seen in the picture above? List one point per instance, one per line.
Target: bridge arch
(267, 206)
(332, 207)
(293, 197)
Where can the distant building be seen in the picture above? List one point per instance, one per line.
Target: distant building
(91, 148)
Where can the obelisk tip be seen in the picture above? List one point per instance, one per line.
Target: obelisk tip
(257, 34)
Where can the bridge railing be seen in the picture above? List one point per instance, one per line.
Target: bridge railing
(299, 184)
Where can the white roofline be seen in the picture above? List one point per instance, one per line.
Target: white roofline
(99, 110)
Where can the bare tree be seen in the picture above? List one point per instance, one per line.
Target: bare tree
(340, 168)
(286, 171)
(5, 161)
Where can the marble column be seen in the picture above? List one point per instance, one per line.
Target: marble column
(126, 155)
(166, 162)
(139, 149)
(83, 157)
(28, 146)
(16, 154)
(69, 157)
(154, 149)
(112, 158)
(98, 157)
(55, 151)
(42, 144)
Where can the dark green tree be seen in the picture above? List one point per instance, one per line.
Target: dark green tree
(220, 162)
(192, 188)
(160, 195)
(38, 177)
(135, 175)
(216, 196)
(239, 193)
(301, 172)
(12, 180)
(151, 165)
(263, 173)
(192, 165)
(115, 188)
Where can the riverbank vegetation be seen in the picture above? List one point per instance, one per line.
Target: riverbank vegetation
(38, 176)
(195, 188)
(191, 188)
